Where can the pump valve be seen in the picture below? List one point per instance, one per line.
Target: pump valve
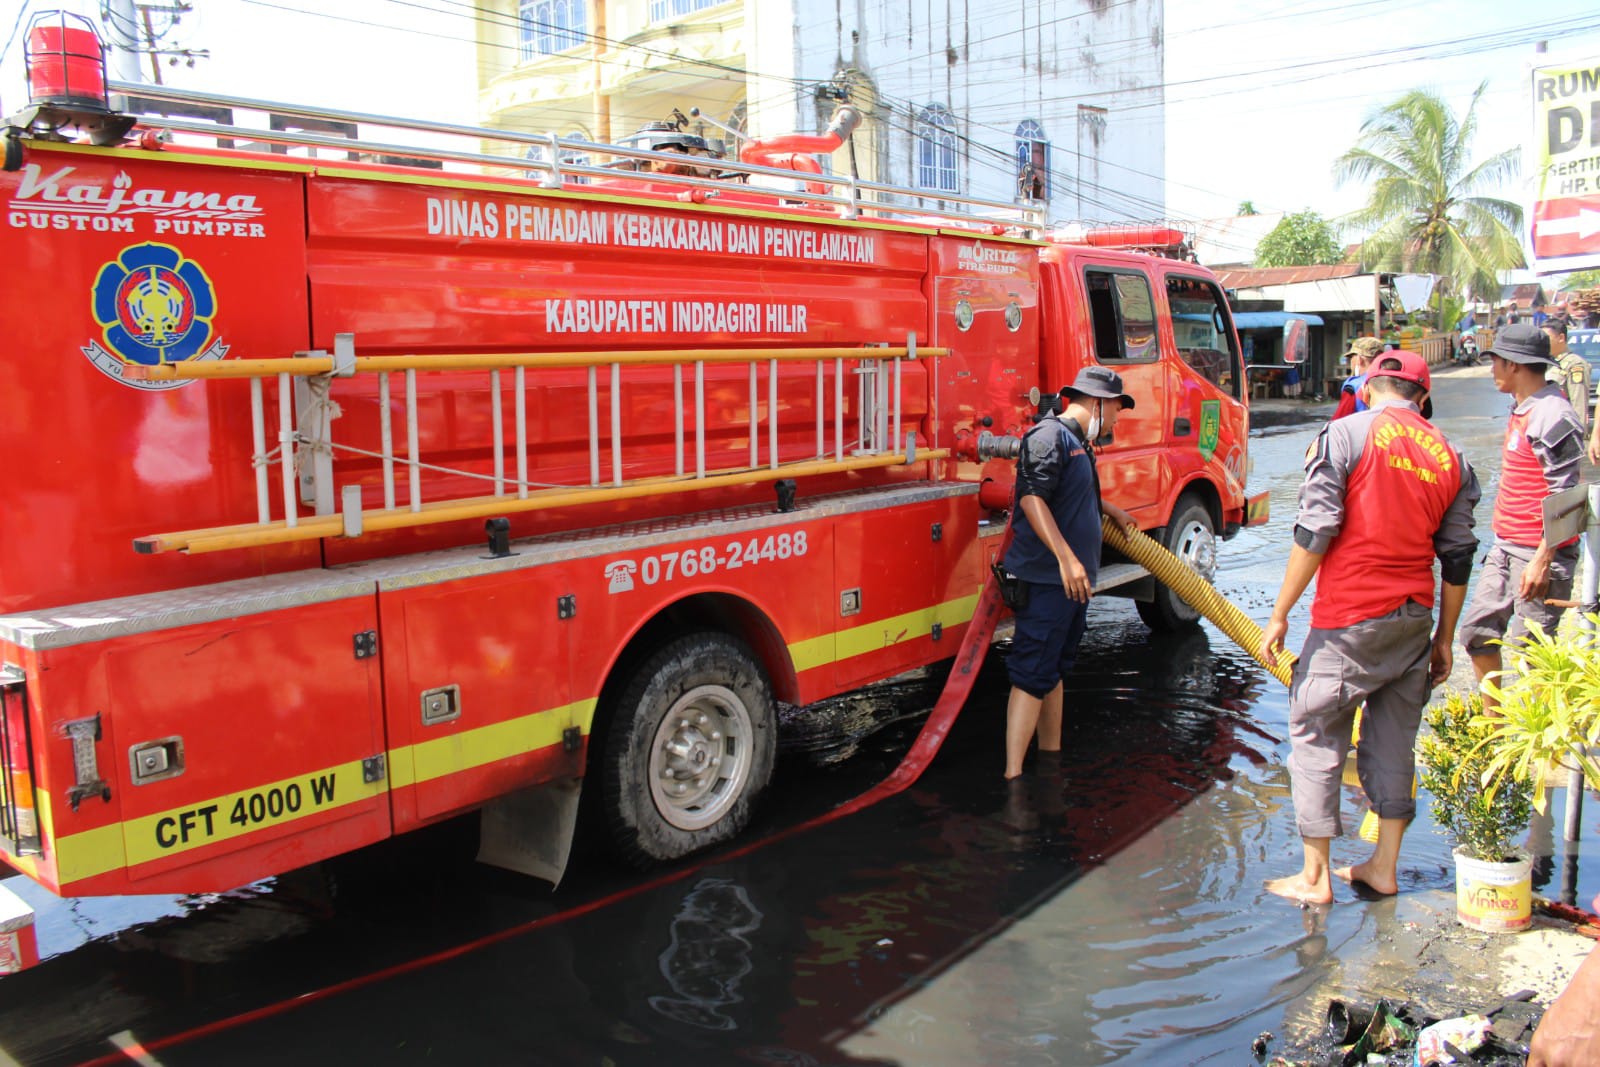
(998, 446)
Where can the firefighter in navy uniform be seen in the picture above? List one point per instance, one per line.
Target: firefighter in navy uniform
(1384, 494)
(1055, 554)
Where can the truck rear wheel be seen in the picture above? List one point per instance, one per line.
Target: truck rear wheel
(689, 750)
(1192, 537)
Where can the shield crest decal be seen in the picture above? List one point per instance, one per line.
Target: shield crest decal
(1210, 427)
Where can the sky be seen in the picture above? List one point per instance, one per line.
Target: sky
(1262, 95)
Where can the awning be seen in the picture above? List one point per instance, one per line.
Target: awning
(1267, 320)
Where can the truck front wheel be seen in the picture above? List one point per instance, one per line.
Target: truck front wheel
(690, 747)
(1192, 537)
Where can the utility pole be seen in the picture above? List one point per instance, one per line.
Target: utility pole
(150, 37)
(122, 27)
(1093, 119)
(132, 29)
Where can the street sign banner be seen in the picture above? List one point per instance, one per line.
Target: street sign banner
(1566, 166)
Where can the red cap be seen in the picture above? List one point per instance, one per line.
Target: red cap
(1402, 364)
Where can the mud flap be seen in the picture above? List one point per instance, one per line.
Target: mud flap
(531, 831)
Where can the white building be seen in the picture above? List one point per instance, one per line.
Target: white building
(1058, 99)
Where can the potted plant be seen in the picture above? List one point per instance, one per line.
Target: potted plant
(1549, 713)
(1485, 815)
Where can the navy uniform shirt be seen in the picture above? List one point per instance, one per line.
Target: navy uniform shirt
(1056, 467)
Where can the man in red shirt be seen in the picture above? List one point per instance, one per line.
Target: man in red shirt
(1541, 456)
(1384, 495)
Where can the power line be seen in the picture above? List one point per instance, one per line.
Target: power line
(977, 150)
(501, 22)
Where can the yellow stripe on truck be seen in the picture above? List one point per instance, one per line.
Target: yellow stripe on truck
(870, 637)
(89, 853)
(177, 830)
(153, 837)
(480, 747)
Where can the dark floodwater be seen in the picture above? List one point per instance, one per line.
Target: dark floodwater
(1113, 914)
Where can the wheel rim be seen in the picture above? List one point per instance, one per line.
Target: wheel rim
(1196, 545)
(700, 757)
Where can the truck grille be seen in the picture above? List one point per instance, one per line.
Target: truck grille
(19, 823)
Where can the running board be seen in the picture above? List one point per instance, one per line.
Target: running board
(1115, 574)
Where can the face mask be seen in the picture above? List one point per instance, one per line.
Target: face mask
(1096, 425)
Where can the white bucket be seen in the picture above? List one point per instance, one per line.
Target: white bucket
(1494, 897)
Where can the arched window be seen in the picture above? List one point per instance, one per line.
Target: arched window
(545, 27)
(663, 10)
(936, 149)
(1033, 161)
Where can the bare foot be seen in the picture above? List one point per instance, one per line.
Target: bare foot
(1297, 887)
(1379, 882)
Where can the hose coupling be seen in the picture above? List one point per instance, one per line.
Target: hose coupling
(998, 446)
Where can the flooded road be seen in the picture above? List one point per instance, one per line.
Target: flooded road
(1115, 914)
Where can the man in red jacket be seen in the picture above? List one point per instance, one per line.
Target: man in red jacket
(1384, 495)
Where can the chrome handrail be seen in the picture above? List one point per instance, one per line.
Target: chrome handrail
(1022, 216)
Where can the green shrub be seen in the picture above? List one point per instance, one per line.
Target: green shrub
(1549, 714)
(1484, 816)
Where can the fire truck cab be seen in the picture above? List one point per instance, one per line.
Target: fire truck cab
(347, 497)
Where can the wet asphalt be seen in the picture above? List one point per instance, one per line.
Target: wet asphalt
(1111, 913)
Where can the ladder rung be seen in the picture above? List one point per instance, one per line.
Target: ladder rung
(253, 535)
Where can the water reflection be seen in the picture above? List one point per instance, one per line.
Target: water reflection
(708, 954)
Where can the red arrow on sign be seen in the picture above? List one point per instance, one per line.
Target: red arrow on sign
(1566, 227)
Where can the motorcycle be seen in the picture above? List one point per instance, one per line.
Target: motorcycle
(1467, 352)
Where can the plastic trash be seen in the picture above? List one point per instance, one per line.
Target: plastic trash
(1384, 1031)
(1346, 1022)
(1449, 1040)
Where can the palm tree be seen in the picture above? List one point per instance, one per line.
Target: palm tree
(1427, 211)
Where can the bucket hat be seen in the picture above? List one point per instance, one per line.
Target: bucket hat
(1102, 383)
(1522, 342)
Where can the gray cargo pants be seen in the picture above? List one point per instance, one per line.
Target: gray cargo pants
(1384, 662)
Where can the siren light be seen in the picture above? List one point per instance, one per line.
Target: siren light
(65, 59)
(66, 63)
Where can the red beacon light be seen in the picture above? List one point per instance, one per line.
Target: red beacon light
(66, 63)
(66, 68)
(1169, 241)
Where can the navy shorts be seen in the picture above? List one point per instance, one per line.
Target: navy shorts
(1045, 645)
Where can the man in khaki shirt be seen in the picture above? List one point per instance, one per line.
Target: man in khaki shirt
(1571, 371)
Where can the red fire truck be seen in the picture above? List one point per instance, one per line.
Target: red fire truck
(346, 497)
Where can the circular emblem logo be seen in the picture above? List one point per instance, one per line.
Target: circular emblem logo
(153, 307)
